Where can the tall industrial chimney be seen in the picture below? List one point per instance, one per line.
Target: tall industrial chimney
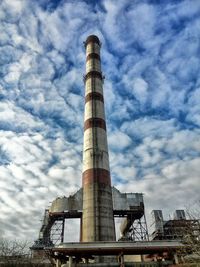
(97, 221)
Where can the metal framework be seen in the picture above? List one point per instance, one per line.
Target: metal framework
(129, 206)
(177, 229)
(53, 230)
(57, 232)
(138, 230)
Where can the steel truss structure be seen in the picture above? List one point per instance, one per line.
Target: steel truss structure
(138, 230)
(57, 232)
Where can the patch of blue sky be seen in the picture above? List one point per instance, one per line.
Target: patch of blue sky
(49, 5)
(9, 126)
(117, 179)
(4, 157)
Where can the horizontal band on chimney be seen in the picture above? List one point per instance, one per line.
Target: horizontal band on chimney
(94, 96)
(93, 74)
(94, 122)
(92, 56)
(96, 175)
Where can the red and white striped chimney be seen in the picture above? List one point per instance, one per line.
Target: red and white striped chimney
(97, 221)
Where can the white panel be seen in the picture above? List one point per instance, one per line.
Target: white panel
(95, 137)
(92, 48)
(97, 87)
(97, 160)
(96, 110)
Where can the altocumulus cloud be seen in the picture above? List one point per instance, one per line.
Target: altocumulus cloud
(150, 56)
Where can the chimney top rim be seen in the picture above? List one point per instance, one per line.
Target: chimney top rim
(92, 38)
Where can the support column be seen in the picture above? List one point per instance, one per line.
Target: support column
(121, 258)
(176, 261)
(70, 261)
(63, 230)
(58, 263)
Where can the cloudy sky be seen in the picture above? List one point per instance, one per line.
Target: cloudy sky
(150, 58)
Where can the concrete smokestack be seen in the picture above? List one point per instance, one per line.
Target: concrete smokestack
(97, 220)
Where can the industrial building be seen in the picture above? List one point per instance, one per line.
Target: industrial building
(174, 228)
(98, 203)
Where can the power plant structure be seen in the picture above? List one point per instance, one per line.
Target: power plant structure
(174, 228)
(97, 203)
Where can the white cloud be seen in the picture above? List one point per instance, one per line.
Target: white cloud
(149, 126)
(140, 88)
(141, 20)
(119, 140)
